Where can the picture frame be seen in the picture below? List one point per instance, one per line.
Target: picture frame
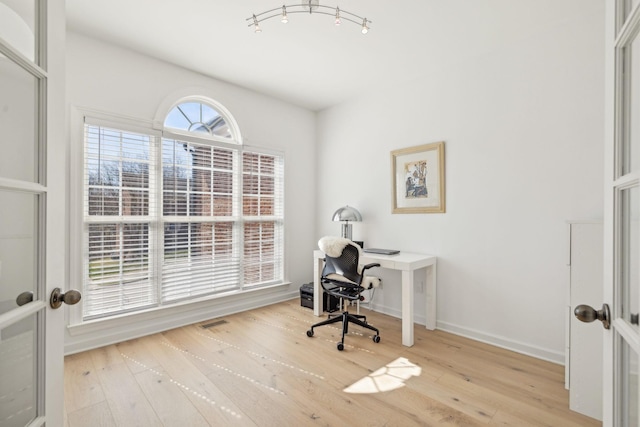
(417, 176)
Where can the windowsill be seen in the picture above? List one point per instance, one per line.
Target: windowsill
(172, 311)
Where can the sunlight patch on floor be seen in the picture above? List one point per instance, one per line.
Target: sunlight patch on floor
(390, 377)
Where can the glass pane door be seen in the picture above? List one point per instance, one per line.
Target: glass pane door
(18, 372)
(626, 207)
(19, 26)
(23, 300)
(628, 385)
(18, 123)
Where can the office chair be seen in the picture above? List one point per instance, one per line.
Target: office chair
(342, 278)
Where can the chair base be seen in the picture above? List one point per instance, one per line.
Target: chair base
(346, 318)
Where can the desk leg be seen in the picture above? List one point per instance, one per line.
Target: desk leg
(317, 289)
(431, 296)
(407, 308)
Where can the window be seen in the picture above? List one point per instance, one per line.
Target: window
(188, 214)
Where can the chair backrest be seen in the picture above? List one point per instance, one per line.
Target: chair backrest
(345, 265)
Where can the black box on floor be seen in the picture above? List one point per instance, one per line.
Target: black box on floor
(329, 302)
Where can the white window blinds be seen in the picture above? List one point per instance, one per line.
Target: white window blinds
(118, 255)
(263, 210)
(201, 242)
(167, 220)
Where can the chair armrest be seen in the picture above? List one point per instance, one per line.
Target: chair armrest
(374, 264)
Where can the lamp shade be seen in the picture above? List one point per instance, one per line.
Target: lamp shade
(347, 213)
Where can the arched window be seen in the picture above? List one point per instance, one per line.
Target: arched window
(185, 213)
(199, 118)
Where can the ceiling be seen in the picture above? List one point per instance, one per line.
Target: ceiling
(309, 61)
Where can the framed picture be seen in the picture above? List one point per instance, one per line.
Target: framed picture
(417, 175)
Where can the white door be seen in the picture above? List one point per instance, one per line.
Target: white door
(32, 211)
(621, 288)
(585, 343)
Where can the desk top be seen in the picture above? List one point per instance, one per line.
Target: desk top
(402, 261)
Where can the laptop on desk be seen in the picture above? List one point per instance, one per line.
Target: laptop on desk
(381, 251)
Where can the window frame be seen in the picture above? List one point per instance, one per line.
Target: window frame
(77, 194)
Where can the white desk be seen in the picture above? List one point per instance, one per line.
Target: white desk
(407, 263)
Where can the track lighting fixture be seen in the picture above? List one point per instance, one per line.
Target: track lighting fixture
(311, 7)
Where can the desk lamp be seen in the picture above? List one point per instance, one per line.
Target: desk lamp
(346, 214)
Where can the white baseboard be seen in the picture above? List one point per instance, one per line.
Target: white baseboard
(502, 342)
(495, 340)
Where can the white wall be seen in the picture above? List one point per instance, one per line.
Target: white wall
(523, 127)
(117, 81)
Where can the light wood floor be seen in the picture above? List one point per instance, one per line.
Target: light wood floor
(258, 368)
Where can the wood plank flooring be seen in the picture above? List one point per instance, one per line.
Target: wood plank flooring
(258, 368)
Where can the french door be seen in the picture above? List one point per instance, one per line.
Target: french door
(32, 212)
(621, 361)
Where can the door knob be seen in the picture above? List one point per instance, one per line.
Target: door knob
(24, 298)
(586, 313)
(58, 297)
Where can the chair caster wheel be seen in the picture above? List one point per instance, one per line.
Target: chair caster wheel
(309, 333)
(376, 339)
(340, 346)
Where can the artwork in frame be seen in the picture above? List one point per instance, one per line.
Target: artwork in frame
(418, 179)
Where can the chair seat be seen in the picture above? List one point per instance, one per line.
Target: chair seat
(350, 293)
